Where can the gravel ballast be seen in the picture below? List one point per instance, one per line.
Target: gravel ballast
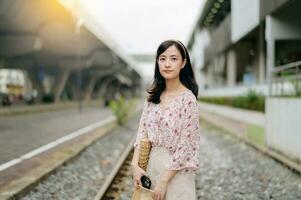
(229, 169)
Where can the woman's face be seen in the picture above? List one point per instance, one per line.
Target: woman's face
(170, 63)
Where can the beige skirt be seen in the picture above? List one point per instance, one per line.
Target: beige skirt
(182, 186)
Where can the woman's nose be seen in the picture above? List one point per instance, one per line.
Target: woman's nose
(167, 63)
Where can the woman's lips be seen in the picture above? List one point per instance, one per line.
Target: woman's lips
(167, 71)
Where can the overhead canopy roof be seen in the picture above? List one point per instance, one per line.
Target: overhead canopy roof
(44, 33)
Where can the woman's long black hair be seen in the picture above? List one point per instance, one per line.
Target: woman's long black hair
(186, 73)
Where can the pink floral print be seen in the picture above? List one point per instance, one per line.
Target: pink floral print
(175, 127)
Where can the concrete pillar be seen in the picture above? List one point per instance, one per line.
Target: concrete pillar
(27, 88)
(103, 89)
(270, 62)
(261, 58)
(270, 39)
(199, 77)
(210, 75)
(231, 68)
(99, 93)
(36, 84)
(90, 87)
(75, 92)
(60, 84)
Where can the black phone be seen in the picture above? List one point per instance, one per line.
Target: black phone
(146, 182)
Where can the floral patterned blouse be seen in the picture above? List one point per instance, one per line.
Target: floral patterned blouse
(175, 127)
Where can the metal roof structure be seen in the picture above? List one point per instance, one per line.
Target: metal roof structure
(44, 33)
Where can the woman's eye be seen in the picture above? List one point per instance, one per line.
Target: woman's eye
(174, 59)
(161, 59)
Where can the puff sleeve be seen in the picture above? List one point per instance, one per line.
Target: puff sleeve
(185, 154)
(142, 132)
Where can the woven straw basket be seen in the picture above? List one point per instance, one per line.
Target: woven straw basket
(145, 147)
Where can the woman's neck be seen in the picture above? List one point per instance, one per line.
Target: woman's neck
(173, 86)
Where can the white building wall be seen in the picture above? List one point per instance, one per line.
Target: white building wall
(245, 15)
(283, 125)
(201, 40)
(11, 76)
(282, 28)
(285, 28)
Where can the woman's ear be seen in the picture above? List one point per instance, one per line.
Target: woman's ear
(184, 63)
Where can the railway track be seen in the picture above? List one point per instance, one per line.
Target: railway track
(94, 174)
(121, 185)
(86, 173)
(103, 172)
(119, 181)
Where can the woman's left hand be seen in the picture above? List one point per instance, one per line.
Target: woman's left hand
(160, 191)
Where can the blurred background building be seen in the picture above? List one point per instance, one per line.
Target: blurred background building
(248, 55)
(238, 43)
(60, 53)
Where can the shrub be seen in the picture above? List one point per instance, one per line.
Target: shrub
(121, 109)
(48, 98)
(251, 101)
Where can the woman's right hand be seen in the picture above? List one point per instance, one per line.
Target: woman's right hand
(137, 173)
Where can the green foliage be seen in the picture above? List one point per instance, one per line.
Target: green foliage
(121, 109)
(48, 98)
(251, 101)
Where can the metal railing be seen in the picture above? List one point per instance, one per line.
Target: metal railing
(286, 80)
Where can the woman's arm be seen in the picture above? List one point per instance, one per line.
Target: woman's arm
(136, 170)
(142, 132)
(168, 175)
(135, 157)
(185, 155)
(161, 187)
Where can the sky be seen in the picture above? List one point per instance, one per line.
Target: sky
(139, 26)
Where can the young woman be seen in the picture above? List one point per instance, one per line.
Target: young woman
(170, 120)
